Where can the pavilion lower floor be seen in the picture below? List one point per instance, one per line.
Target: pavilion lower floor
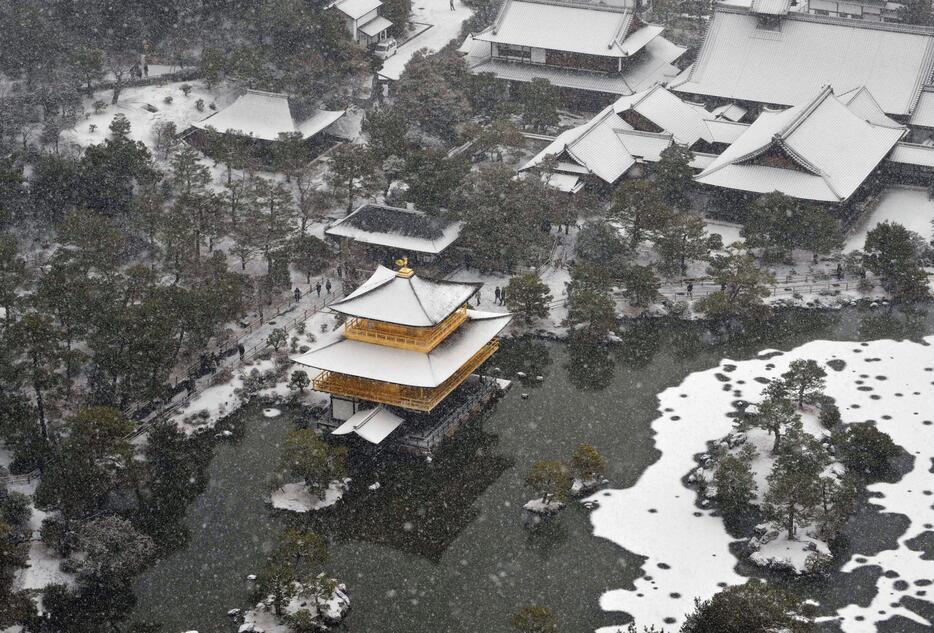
(423, 432)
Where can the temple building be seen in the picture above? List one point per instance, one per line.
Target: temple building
(827, 150)
(763, 56)
(381, 234)
(405, 356)
(629, 135)
(594, 48)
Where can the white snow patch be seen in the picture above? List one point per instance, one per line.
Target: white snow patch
(687, 549)
(296, 497)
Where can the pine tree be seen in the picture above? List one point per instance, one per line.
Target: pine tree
(539, 100)
(890, 253)
(778, 417)
(795, 482)
(805, 378)
(640, 285)
(673, 175)
(528, 297)
(639, 207)
(736, 486)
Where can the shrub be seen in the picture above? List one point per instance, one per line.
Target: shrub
(755, 607)
(829, 414)
(587, 464)
(168, 99)
(199, 105)
(865, 449)
(186, 89)
(549, 479)
(99, 106)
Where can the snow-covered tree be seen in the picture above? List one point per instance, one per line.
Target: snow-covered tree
(111, 551)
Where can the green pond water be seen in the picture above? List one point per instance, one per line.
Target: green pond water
(442, 546)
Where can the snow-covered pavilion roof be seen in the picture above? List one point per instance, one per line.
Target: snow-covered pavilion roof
(265, 115)
(402, 229)
(784, 63)
(373, 425)
(405, 300)
(923, 114)
(406, 367)
(591, 29)
(822, 150)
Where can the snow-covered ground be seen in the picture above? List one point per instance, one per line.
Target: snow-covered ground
(182, 111)
(43, 566)
(908, 206)
(445, 26)
(687, 548)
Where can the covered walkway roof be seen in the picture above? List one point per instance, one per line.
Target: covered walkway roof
(266, 115)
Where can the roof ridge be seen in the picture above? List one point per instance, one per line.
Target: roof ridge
(418, 299)
(668, 135)
(796, 121)
(620, 35)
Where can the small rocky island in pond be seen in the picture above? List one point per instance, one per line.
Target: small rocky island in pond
(405, 357)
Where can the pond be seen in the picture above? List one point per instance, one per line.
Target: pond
(441, 545)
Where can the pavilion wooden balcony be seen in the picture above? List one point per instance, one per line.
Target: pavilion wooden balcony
(416, 339)
(415, 398)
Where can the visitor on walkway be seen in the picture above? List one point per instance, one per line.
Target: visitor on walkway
(452, 5)
(146, 68)
(241, 350)
(502, 297)
(318, 288)
(298, 294)
(496, 294)
(338, 271)
(327, 286)
(690, 289)
(478, 297)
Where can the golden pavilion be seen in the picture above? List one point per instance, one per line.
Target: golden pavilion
(407, 352)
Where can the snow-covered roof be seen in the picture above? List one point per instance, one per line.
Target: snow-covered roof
(821, 150)
(567, 26)
(653, 65)
(402, 229)
(785, 63)
(923, 114)
(356, 9)
(730, 111)
(406, 367)
(265, 115)
(607, 145)
(373, 425)
(405, 300)
(375, 26)
(666, 110)
(913, 154)
(770, 7)
(568, 183)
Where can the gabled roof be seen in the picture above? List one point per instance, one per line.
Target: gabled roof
(830, 148)
(407, 367)
(403, 229)
(356, 9)
(607, 146)
(264, 115)
(411, 301)
(669, 112)
(923, 114)
(569, 26)
(785, 63)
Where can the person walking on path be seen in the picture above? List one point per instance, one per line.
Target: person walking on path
(452, 5)
(690, 289)
(241, 350)
(327, 286)
(478, 297)
(338, 271)
(298, 294)
(318, 288)
(502, 297)
(496, 294)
